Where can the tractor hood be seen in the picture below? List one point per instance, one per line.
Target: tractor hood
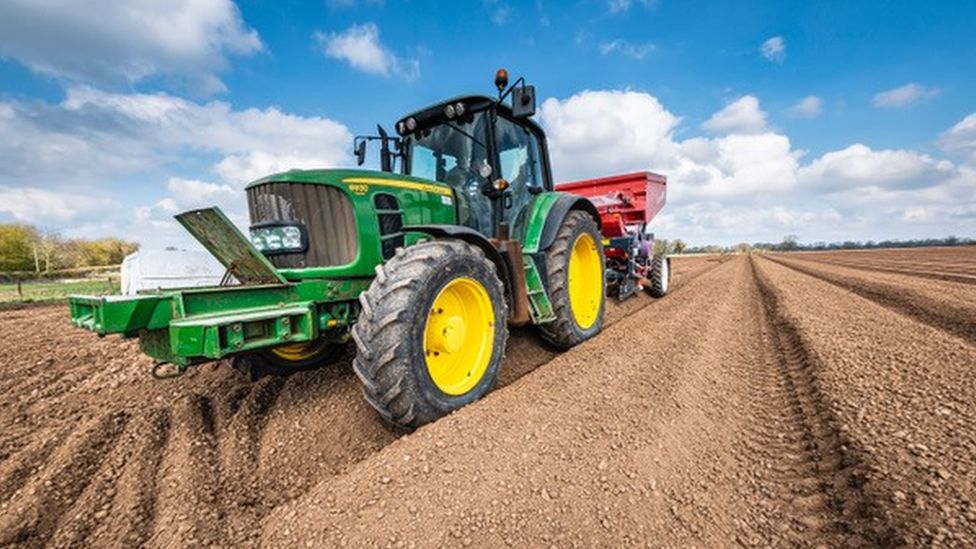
(353, 219)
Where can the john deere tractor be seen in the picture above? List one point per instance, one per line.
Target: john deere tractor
(423, 264)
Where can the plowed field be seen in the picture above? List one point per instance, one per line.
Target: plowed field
(791, 399)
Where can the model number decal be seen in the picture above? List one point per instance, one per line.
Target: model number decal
(358, 188)
(433, 188)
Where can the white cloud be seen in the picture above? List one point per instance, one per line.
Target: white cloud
(117, 42)
(594, 130)
(740, 116)
(188, 194)
(360, 46)
(634, 51)
(808, 107)
(346, 4)
(249, 166)
(192, 193)
(774, 49)
(93, 138)
(755, 186)
(622, 6)
(44, 206)
(703, 222)
(903, 96)
(737, 165)
(961, 138)
(860, 166)
(164, 124)
(601, 132)
(498, 11)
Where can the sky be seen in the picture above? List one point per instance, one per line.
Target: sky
(827, 120)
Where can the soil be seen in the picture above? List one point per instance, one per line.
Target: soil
(793, 399)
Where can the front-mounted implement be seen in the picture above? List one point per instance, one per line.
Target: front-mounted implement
(257, 309)
(423, 264)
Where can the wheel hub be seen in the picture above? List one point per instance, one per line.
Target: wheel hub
(448, 334)
(459, 336)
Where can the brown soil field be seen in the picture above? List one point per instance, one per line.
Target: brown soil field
(956, 264)
(786, 400)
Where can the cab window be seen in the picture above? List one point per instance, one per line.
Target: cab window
(520, 163)
(454, 153)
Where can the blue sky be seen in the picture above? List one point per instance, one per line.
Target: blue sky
(829, 120)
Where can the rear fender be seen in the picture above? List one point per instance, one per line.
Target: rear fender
(547, 213)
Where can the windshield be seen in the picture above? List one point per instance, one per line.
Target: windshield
(453, 153)
(450, 153)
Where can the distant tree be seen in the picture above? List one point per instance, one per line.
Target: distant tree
(16, 253)
(790, 242)
(661, 246)
(47, 248)
(104, 251)
(678, 246)
(25, 248)
(743, 248)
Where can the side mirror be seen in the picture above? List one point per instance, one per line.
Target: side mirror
(361, 153)
(523, 101)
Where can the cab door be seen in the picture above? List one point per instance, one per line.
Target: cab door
(520, 161)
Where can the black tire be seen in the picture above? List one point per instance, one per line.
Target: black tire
(266, 363)
(389, 335)
(660, 276)
(565, 332)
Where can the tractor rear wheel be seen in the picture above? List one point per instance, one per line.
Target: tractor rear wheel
(431, 333)
(576, 282)
(660, 276)
(287, 359)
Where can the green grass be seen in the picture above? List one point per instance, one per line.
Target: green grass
(55, 290)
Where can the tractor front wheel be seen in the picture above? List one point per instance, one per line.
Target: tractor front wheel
(431, 333)
(575, 267)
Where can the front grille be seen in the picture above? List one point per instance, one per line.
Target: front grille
(391, 223)
(326, 213)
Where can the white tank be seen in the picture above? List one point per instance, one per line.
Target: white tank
(152, 269)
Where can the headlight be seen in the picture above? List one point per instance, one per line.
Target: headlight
(459, 108)
(279, 238)
(411, 124)
(449, 111)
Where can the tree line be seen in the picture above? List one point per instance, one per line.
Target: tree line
(25, 248)
(791, 243)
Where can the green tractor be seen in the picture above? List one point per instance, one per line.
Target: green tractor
(423, 264)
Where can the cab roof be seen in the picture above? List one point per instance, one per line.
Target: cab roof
(473, 102)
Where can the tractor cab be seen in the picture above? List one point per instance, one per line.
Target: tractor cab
(491, 154)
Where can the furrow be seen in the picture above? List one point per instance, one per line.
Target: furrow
(944, 316)
(190, 491)
(911, 270)
(34, 512)
(98, 504)
(823, 470)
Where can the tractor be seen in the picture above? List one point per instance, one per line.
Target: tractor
(424, 264)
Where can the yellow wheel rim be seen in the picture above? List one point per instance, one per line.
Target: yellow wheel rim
(459, 336)
(585, 281)
(295, 352)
